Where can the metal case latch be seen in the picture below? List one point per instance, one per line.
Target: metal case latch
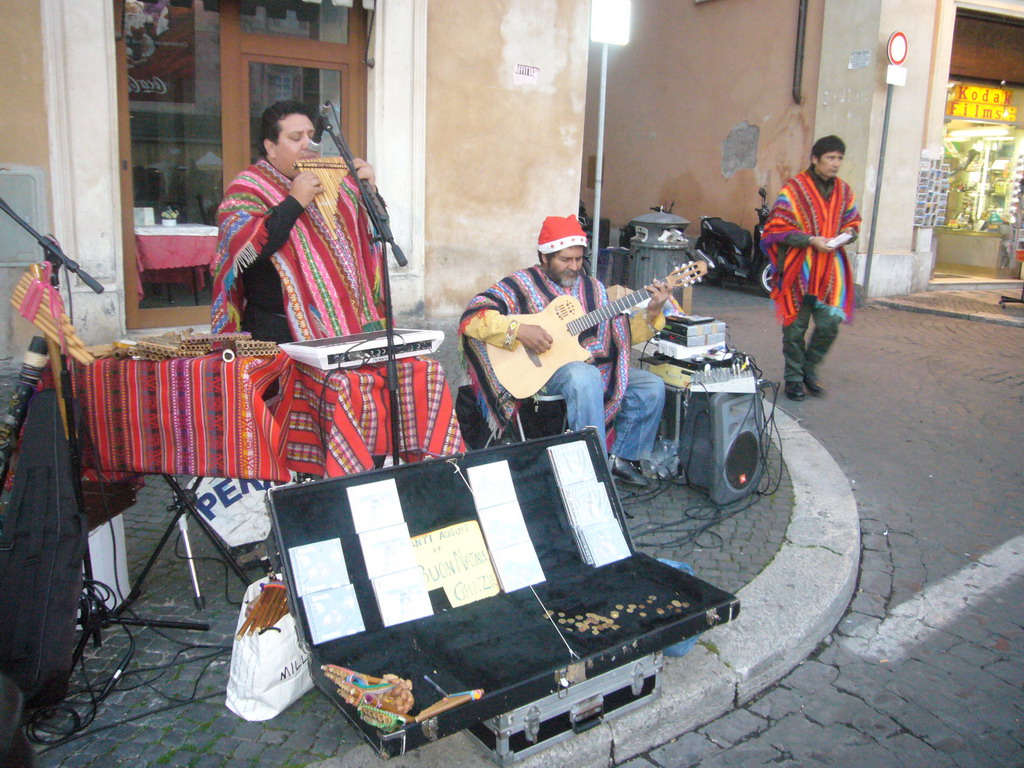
(531, 728)
(712, 617)
(430, 729)
(637, 683)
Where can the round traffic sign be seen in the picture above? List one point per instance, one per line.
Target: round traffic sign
(897, 48)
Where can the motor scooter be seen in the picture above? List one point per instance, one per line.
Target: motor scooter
(731, 251)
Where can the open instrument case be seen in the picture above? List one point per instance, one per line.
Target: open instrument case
(511, 645)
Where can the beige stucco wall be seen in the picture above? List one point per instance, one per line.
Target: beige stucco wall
(500, 156)
(690, 75)
(24, 137)
(24, 132)
(853, 101)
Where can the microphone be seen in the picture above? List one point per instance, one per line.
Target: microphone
(321, 126)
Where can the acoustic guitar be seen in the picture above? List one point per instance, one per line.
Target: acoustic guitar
(523, 372)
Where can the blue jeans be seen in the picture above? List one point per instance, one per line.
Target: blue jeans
(636, 424)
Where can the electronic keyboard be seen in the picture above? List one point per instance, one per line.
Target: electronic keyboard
(368, 348)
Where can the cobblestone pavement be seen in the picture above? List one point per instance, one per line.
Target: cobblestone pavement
(969, 305)
(924, 414)
(168, 706)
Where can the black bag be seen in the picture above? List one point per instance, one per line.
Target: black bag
(472, 423)
(41, 553)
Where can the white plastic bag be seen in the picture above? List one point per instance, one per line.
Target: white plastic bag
(269, 672)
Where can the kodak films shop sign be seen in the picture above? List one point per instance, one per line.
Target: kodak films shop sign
(975, 102)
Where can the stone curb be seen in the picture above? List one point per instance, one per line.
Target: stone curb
(978, 317)
(785, 612)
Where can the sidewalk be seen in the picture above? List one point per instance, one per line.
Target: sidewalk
(980, 306)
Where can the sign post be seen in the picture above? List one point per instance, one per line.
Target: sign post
(895, 74)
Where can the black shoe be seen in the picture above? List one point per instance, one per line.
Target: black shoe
(794, 390)
(814, 385)
(626, 472)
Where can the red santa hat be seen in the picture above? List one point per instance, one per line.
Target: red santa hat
(558, 233)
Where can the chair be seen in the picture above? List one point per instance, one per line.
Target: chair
(543, 415)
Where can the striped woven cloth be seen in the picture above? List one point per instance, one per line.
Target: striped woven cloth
(207, 417)
(343, 414)
(199, 416)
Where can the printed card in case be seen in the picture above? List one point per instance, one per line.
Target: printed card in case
(587, 502)
(503, 525)
(402, 597)
(375, 505)
(571, 462)
(333, 613)
(318, 566)
(492, 484)
(387, 550)
(517, 566)
(603, 543)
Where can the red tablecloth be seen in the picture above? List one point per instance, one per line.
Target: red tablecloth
(346, 412)
(207, 417)
(179, 254)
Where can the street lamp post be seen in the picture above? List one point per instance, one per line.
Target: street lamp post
(609, 24)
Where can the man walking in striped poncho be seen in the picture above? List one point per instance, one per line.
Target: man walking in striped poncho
(813, 275)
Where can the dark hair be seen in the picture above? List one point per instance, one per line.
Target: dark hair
(827, 144)
(270, 121)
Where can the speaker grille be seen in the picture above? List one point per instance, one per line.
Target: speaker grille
(741, 463)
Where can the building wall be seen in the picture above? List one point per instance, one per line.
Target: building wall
(24, 140)
(500, 154)
(852, 102)
(700, 108)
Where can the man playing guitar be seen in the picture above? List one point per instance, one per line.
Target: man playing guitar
(599, 387)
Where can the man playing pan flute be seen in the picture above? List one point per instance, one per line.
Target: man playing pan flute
(284, 270)
(602, 393)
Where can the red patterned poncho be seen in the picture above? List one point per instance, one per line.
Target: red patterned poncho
(331, 282)
(806, 271)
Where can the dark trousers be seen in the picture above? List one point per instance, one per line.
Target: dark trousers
(802, 357)
(265, 325)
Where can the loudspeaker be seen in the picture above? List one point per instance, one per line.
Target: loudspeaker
(720, 447)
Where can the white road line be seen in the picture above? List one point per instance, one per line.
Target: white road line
(941, 604)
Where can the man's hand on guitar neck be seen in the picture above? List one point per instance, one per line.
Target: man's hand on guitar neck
(534, 338)
(660, 293)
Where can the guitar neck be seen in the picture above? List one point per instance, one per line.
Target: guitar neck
(607, 312)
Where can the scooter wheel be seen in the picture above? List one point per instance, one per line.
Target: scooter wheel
(764, 277)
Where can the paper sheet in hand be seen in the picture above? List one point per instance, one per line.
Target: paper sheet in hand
(841, 239)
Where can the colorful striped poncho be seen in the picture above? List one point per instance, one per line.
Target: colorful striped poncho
(806, 271)
(331, 282)
(527, 292)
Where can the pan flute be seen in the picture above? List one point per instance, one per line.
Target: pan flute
(330, 171)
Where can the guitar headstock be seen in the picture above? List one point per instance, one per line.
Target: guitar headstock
(687, 274)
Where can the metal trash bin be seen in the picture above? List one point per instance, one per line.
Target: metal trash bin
(657, 248)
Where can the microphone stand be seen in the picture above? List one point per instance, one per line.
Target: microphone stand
(377, 213)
